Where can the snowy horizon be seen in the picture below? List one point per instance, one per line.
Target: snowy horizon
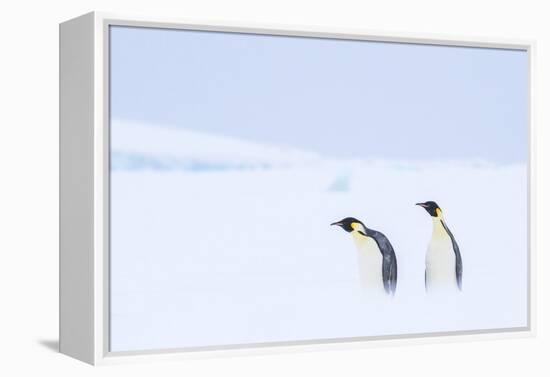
(142, 154)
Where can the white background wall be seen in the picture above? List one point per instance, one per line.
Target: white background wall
(29, 186)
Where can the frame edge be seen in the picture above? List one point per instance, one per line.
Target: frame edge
(76, 242)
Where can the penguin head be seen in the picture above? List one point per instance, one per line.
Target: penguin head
(431, 207)
(349, 224)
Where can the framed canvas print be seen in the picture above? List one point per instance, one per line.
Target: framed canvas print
(238, 189)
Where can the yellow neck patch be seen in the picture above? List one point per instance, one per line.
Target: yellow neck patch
(358, 227)
(438, 212)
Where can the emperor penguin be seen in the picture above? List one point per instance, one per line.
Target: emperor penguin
(376, 257)
(443, 259)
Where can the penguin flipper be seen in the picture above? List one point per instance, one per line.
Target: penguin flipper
(425, 280)
(458, 267)
(389, 263)
(393, 275)
(458, 256)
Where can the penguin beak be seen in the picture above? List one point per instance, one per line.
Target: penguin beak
(423, 205)
(338, 223)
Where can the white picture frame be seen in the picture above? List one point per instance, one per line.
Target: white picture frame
(84, 189)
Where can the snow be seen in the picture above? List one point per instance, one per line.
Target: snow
(245, 254)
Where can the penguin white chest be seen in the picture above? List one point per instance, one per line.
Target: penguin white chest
(369, 260)
(440, 260)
